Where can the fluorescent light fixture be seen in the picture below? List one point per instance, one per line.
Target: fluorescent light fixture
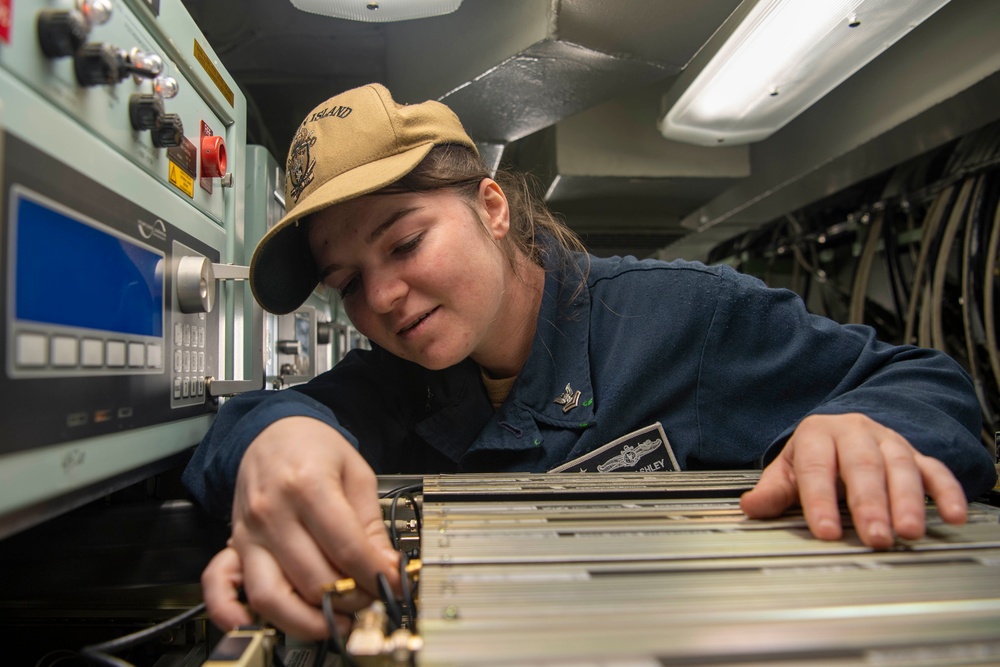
(378, 11)
(783, 57)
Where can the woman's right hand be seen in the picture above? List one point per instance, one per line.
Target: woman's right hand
(305, 514)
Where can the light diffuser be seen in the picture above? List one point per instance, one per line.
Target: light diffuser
(378, 11)
(783, 57)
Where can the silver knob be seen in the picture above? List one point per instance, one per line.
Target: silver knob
(195, 280)
(98, 12)
(165, 86)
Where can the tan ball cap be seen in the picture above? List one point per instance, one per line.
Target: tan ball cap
(353, 144)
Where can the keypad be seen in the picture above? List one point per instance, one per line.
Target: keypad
(188, 363)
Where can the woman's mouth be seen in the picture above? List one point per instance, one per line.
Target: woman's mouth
(416, 323)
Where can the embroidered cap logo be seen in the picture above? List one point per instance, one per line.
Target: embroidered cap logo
(301, 164)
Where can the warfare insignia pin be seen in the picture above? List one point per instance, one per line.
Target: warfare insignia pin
(300, 165)
(630, 455)
(568, 399)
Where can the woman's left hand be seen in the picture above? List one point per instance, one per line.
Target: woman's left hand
(884, 479)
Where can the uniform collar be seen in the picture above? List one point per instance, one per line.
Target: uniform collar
(555, 384)
(554, 387)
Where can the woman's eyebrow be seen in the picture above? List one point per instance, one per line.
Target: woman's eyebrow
(373, 236)
(376, 233)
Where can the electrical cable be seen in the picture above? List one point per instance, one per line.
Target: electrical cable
(893, 269)
(912, 250)
(409, 488)
(863, 270)
(396, 494)
(811, 268)
(989, 274)
(950, 231)
(932, 220)
(393, 533)
(334, 639)
(97, 654)
(774, 254)
(932, 237)
(409, 609)
(821, 278)
(806, 286)
(989, 284)
(972, 323)
(924, 328)
(796, 284)
(392, 608)
(417, 512)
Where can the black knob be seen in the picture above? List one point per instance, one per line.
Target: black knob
(324, 332)
(98, 64)
(169, 131)
(60, 32)
(144, 110)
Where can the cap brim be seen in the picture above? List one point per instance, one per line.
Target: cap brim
(282, 271)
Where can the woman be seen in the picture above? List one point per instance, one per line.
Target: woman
(499, 346)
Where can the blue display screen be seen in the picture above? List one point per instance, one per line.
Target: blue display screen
(74, 274)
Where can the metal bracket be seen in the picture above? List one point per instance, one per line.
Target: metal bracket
(216, 387)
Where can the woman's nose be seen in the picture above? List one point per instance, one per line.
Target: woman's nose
(383, 289)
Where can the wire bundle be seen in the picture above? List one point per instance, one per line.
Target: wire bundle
(917, 261)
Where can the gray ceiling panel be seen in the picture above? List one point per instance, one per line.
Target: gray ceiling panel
(542, 85)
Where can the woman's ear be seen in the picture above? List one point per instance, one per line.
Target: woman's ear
(493, 203)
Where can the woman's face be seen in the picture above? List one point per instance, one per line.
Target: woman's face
(420, 274)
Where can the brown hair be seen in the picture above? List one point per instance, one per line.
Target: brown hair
(534, 231)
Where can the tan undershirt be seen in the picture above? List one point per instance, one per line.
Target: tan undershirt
(496, 390)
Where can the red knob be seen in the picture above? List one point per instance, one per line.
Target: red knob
(213, 157)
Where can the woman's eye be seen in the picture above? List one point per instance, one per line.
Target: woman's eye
(349, 287)
(408, 246)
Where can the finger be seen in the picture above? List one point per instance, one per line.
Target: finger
(354, 541)
(863, 471)
(774, 492)
(262, 523)
(220, 582)
(306, 567)
(361, 485)
(944, 489)
(816, 466)
(271, 595)
(905, 488)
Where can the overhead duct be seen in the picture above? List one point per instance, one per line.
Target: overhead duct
(523, 65)
(542, 85)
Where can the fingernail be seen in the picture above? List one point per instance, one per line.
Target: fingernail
(955, 508)
(827, 526)
(878, 530)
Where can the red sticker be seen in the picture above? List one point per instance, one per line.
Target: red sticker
(6, 18)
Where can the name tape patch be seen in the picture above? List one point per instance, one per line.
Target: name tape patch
(645, 450)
